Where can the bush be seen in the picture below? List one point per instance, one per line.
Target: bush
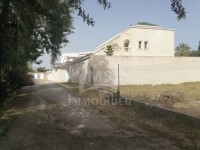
(11, 81)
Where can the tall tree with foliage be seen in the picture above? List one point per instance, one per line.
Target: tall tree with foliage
(28, 29)
(109, 50)
(182, 50)
(177, 7)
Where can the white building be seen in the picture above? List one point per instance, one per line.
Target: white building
(72, 56)
(142, 39)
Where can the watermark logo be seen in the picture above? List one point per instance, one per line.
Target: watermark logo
(74, 101)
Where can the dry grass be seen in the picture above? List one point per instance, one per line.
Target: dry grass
(185, 136)
(190, 90)
(183, 97)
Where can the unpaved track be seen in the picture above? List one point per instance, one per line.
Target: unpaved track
(49, 122)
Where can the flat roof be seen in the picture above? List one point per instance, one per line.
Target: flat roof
(146, 24)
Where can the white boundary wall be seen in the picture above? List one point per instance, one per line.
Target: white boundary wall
(39, 75)
(58, 75)
(102, 70)
(55, 75)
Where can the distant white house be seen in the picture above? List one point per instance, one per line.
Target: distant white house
(59, 71)
(142, 39)
(69, 57)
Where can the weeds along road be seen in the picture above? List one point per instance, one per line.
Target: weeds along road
(48, 121)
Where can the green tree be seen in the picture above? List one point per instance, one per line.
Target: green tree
(41, 69)
(109, 50)
(29, 28)
(182, 50)
(199, 46)
(177, 7)
(195, 53)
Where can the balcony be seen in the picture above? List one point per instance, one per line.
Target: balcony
(127, 49)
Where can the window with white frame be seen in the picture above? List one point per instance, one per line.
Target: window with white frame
(146, 46)
(143, 45)
(140, 44)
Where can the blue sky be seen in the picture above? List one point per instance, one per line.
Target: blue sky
(110, 22)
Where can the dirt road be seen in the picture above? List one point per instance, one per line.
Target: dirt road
(48, 121)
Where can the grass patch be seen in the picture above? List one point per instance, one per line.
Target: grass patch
(183, 97)
(190, 91)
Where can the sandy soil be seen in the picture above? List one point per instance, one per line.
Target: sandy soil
(50, 121)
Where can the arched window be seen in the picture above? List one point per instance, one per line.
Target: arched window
(126, 45)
